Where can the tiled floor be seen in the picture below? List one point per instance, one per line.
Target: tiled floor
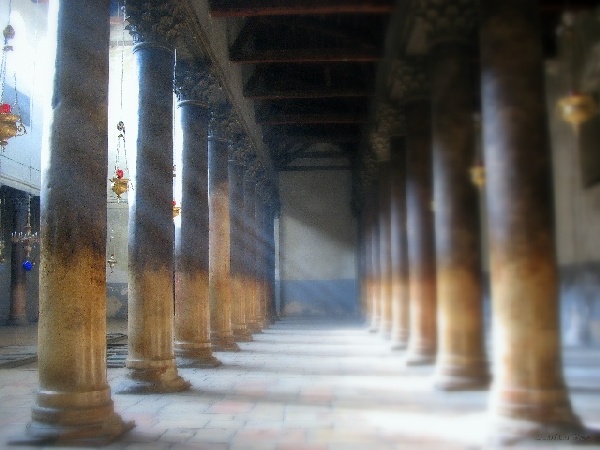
(300, 385)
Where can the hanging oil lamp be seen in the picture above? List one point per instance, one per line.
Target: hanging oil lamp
(27, 238)
(176, 209)
(112, 260)
(120, 183)
(576, 107)
(10, 122)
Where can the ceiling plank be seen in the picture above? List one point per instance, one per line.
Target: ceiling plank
(248, 8)
(306, 56)
(311, 168)
(270, 94)
(304, 119)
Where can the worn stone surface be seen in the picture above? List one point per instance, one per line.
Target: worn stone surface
(528, 395)
(151, 356)
(399, 244)
(460, 362)
(73, 403)
(192, 314)
(421, 244)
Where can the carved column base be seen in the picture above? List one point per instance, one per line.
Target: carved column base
(224, 344)
(196, 356)
(420, 356)
(152, 377)
(67, 418)
(17, 321)
(399, 341)
(534, 414)
(243, 335)
(465, 376)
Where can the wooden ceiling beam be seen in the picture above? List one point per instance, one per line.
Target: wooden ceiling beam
(249, 8)
(271, 94)
(306, 119)
(306, 56)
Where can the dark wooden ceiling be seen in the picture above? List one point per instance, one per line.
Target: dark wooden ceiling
(311, 66)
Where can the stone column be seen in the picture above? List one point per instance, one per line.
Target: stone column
(260, 217)
(192, 314)
(221, 333)
(271, 307)
(250, 286)
(399, 244)
(414, 85)
(73, 405)
(385, 252)
(528, 397)
(461, 361)
(374, 260)
(18, 276)
(237, 158)
(151, 358)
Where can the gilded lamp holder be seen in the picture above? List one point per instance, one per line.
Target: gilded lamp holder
(577, 109)
(28, 239)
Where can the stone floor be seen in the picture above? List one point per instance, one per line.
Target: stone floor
(300, 385)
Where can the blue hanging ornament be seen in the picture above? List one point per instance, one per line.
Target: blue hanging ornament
(27, 265)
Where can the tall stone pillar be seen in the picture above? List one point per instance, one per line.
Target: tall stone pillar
(250, 285)
(414, 85)
(374, 260)
(151, 358)
(18, 276)
(219, 234)
(73, 405)
(399, 244)
(261, 251)
(192, 313)
(528, 396)
(461, 362)
(237, 159)
(385, 252)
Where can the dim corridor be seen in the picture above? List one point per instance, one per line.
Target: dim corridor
(301, 384)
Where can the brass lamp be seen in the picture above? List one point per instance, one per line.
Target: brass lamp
(577, 109)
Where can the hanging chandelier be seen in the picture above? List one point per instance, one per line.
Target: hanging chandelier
(10, 121)
(112, 260)
(27, 238)
(176, 209)
(120, 183)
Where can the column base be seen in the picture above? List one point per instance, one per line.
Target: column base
(17, 321)
(195, 358)
(398, 345)
(508, 432)
(469, 375)
(242, 335)
(254, 328)
(419, 358)
(224, 344)
(74, 427)
(145, 378)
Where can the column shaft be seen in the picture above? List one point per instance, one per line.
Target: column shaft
(374, 261)
(192, 312)
(398, 245)
(461, 362)
(151, 358)
(385, 255)
(528, 395)
(18, 276)
(238, 247)
(219, 238)
(250, 285)
(421, 247)
(73, 404)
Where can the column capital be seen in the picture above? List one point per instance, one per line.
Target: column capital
(194, 82)
(379, 143)
(238, 149)
(409, 80)
(368, 170)
(252, 168)
(220, 118)
(155, 21)
(391, 119)
(448, 20)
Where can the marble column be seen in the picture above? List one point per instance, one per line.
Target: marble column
(374, 260)
(237, 159)
(250, 285)
(399, 244)
(151, 358)
(414, 86)
(192, 314)
(18, 276)
(461, 361)
(221, 333)
(260, 217)
(385, 253)
(528, 397)
(73, 404)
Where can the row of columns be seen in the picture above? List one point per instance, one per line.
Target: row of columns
(192, 291)
(429, 215)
